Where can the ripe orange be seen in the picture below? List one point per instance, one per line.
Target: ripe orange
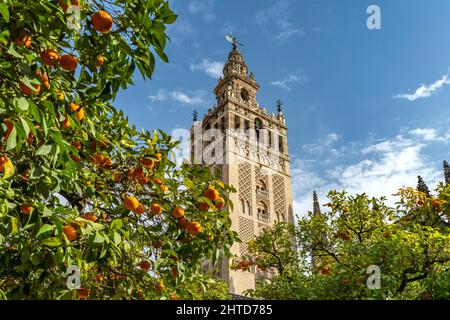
(116, 176)
(90, 216)
(3, 160)
(23, 40)
(157, 181)
(99, 278)
(76, 144)
(27, 90)
(158, 156)
(178, 212)
(26, 208)
(44, 78)
(194, 228)
(49, 57)
(140, 209)
(420, 202)
(183, 222)
(204, 206)
(164, 187)
(210, 237)
(174, 297)
(145, 265)
(66, 123)
(70, 232)
(220, 203)
(82, 293)
(159, 286)
(435, 203)
(156, 208)
(101, 160)
(75, 158)
(99, 61)
(80, 114)
(149, 163)
(131, 203)
(102, 21)
(68, 62)
(211, 193)
(60, 95)
(74, 107)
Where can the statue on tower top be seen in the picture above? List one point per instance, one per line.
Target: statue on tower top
(233, 40)
(195, 116)
(279, 105)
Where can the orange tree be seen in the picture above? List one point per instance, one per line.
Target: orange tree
(409, 243)
(81, 187)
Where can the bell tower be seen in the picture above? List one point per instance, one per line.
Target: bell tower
(249, 147)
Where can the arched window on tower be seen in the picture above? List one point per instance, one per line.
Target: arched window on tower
(263, 213)
(261, 189)
(258, 128)
(248, 208)
(243, 206)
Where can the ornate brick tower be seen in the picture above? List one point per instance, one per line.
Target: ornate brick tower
(255, 159)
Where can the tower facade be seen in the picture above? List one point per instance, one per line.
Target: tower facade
(249, 147)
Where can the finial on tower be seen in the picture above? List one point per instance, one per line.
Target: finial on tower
(233, 40)
(195, 116)
(316, 205)
(279, 105)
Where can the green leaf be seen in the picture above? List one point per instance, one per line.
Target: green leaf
(4, 11)
(116, 224)
(117, 238)
(14, 53)
(25, 255)
(44, 150)
(98, 238)
(45, 228)
(12, 139)
(21, 103)
(36, 258)
(25, 126)
(52, 242)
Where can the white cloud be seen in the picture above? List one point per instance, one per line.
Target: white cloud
(212, 68)
(380, 170)
(180, 31)
(276, 18)
(290, 80)
(425, 91)
(203, 7)
(322, 145)
(196, 98)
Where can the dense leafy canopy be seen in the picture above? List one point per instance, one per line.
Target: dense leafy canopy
(81, 187)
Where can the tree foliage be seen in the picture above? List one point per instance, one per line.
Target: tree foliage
(409, 243)
(81, 187)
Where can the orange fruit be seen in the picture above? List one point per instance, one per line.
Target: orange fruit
(435, 203)
(102, 21)
(210, 237)
(27, 90)
(145, 265)
(116, 176)
(101, 160)
(60, 95)
(90, 216)
(387, 234)
(3, 160)
(178, 212)
(140, 209)
(74, 107)
(174, 297)
(131, 203)
(76, 144)
(23, 40)
(68, 62)
(99, 278)
(159, 286)
(149, 163)
(220, 203)
(158, 156)
(80, 114)
(420, 202)
(183, 222)
(325, 271)
(204, 206)
(211, 193)
(157, 181)
(100, 60)
(164, 188)
(26, 208)
(156, 208)
(66, 123)
(70, 232)
(49, 57)
(82, 293)
(75, 158)
(194, 228)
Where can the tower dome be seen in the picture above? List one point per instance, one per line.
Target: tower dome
(235, 64)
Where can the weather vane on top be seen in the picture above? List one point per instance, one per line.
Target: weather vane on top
(233, 40)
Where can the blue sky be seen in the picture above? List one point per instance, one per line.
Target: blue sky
(367, 110)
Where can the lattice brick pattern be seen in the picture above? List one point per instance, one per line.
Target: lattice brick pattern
(245, 182)
(245, 234)
(279, 195)
(260, 176)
